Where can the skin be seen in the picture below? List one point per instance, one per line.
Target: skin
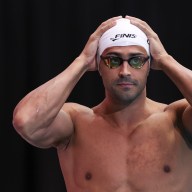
(127, 143)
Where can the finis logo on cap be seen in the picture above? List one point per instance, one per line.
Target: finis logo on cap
(119, 36)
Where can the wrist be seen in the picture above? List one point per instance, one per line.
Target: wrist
(164, 61)
(82, 61)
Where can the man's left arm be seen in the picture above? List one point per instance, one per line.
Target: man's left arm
(161, 60)
(182, 78)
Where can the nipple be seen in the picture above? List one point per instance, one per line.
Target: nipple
(167, 168)
(88, 176)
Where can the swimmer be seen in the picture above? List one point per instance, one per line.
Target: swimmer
(128, 142)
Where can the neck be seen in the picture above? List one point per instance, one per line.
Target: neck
(126, 114)
(112, 105)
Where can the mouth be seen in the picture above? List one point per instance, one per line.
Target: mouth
(125, 84)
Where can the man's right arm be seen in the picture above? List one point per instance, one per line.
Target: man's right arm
(41, 117)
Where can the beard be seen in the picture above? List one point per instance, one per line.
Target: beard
(126, 95)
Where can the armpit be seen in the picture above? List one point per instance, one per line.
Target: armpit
(187, 136)
(63, 144)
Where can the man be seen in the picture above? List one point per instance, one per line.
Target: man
(127, 143)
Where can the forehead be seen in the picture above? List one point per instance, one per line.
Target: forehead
(132, 49)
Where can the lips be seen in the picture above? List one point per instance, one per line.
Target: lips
(125, 84)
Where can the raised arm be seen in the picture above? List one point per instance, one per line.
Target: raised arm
(180, 75)
(41, 117)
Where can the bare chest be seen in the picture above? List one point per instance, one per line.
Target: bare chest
(140, 160)
(147, 150)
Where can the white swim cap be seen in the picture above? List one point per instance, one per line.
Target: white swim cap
(122, 34)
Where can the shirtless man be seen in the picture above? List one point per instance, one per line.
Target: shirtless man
(127, 143)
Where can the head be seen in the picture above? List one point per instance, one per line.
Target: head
(122, 34)
(123, 41)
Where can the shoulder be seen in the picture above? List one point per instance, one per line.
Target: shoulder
(177, 107)
(183, 114)
(75, 109)
(175, 110)
(172, 111)
(156, 107)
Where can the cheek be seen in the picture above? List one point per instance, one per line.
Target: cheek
(107, 78)
(143, 79)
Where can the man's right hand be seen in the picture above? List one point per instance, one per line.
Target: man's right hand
(90, 50)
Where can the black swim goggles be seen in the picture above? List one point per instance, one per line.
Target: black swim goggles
(135, 62)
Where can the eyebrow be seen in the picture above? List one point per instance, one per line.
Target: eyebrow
(130, 54)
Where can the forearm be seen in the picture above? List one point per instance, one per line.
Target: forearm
(39, 108)
(180, 75)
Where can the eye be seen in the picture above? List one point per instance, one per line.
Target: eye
(115, 62)
(136, 62)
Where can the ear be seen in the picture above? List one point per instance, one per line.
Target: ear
(98, 63)
(149, 69)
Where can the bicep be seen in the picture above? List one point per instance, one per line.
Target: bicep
(59, 131)
(182, 113)
(187, 119)
(186, 128)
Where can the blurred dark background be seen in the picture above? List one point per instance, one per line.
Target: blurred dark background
(39, 39)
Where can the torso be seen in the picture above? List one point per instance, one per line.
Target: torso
(104, 158)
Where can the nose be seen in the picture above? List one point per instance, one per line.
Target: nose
(124, 69)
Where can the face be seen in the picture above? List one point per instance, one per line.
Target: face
(124, 83)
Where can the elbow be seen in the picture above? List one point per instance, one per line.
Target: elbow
(24, 126)
(21, 124)
(20, 121)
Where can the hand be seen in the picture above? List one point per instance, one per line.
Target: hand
(157, 50)
(90, 49)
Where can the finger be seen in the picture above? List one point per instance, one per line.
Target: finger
(142, 25)
(134, 19)
(106, 25)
